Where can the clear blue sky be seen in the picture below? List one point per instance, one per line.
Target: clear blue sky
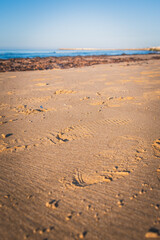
(49, 24)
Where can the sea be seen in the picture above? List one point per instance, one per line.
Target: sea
(7, 54)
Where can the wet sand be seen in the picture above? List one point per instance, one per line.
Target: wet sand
(80, 151)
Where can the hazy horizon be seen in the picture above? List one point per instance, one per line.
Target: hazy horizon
(103, 24)
(71, 48)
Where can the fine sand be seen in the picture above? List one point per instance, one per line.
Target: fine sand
(80, 153)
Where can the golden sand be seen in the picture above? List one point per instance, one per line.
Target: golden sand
(80, 153)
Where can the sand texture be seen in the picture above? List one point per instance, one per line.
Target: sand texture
(80, 153)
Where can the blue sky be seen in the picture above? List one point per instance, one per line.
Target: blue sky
(49, 24)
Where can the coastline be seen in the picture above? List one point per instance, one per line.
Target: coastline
(108, 49)
(46, 63)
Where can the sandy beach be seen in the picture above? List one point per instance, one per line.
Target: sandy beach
(80, 151)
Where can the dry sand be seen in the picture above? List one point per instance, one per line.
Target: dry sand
(80, 151)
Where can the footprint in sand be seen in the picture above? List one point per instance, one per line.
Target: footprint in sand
(112, 101)
(10, 144)
(156, 147)
(122, 151)
(81, 179)
(82, 131)
(64, 91)
(9, 148)
(25, 110)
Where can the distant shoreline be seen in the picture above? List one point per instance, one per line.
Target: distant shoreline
(46, 63)
(112, 49)
(72, 52)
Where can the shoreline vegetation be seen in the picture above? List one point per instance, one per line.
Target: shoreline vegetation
(46, 63)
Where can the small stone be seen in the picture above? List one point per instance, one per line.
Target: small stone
(120, 203)
(142, 191)
(69, 217)
(40, 231)
(7, 196)
(79, 213)
(52, 204)
(88, 207)
(34, 231)
(157, 207)
(29, 196)
(110, 98)
(3, 135)
(82, 235)
(26, 236)
(153, 233)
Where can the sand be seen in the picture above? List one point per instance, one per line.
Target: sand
(79, 153)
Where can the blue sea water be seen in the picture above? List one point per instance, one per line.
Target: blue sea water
(7, 54)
